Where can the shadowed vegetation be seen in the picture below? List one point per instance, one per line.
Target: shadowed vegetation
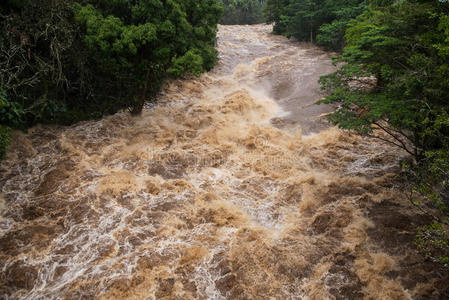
(63, 61)
(242, 11)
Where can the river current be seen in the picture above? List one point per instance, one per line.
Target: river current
(233, 186)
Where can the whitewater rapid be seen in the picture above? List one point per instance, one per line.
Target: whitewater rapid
(233, 186)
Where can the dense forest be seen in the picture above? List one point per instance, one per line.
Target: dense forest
(62, 61)
(392, 85)
(242, 11)
(323, 21)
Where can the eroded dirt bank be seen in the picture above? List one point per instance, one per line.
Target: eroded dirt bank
(232, 188)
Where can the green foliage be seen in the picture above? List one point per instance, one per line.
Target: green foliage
(392, 84)
(323, 21)
(5, 140)
(135, 46)
(399, 48)
(11, 113)
(331, 35)
(429, 181)
(62, 61)
(38, 59)
(191, 61)
(433, 242)
(242, 11)
(273, 12)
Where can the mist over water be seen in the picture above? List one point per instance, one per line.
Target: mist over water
(233, 187)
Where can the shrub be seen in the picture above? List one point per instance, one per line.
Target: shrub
(5, 140)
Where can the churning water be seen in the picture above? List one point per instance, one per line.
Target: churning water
(232, 187)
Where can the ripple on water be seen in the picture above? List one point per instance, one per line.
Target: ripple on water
(220, 191)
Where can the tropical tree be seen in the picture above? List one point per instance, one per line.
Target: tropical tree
(62, 61)
(320, 21)
(393, 85)
(135, 45)
(401, 47)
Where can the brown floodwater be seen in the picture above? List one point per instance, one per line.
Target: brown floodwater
(233, 186)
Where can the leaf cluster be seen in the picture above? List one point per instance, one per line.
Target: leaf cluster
(400, 48)
(62, 61)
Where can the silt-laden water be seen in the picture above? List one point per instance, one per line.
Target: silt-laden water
(233, 187)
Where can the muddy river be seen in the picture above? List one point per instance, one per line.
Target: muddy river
(233, 186)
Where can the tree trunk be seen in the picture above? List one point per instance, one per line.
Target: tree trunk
(137, 107)
(136, 110)
(311, 30)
